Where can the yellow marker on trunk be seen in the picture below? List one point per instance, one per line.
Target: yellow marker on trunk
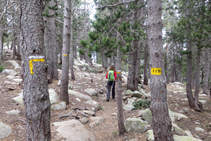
(155, 71)
(35, 59)
(64, 54)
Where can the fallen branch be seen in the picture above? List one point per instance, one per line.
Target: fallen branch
(82, 113)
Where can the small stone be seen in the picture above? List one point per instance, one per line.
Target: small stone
(199, 129)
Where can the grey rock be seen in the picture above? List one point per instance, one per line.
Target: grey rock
(146, 115)
(13, 112)
(177, 129)
(91, 113)
(145, 95)
(150, 135)
(17, 80)
(130, 101)
(136, 94)
(128, 92)
(9, 72)
(174, 115)
(135, 125)
(60, 106)
(199, 129)
(80, 95)
(19, 98)
(95, 121)
(73, 130)
(14, 63)
(128, 107)
(185, 138)
(84, 120)
(91, 91)
(53, 96)
(5, 130)
(93, 103)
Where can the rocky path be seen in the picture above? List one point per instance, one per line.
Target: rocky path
(87, 94)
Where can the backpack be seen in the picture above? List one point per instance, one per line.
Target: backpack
(111, 75)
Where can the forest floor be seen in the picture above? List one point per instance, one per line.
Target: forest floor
(108, 130)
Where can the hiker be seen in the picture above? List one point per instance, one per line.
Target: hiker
(111, 76)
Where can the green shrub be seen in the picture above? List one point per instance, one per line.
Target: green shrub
(141, 104)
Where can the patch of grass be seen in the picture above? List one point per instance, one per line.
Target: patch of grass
(115, 132)
(100, 108)
(1, 67)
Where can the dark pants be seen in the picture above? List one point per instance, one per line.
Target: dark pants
(109, 85)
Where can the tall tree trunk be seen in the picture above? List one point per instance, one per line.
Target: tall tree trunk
(66, 50)
(35, 93)
(189, 76)
(160, 116)
(1, 42)
(146, 64)
(13, 44)
(119, 93)
(131, 72)
(71, 47)
(137, 69)
(197, 83)
(207, 70)
(173, 68)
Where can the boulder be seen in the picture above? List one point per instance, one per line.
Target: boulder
(174, 115)
(73, 130)
(14, 63)
(13, 112)
(128, 92)
(199, 129)
(84, 120)
(130, 101)
(146, 115)
(177, 129)
(91, 91)
(150, 135)
(91, 113)
(80, 95)
(10, 77)
(60, 106)
(128, 107)
(136, 94)
(53, 96)
(19, 98)
(5, 130)
(95, 121)
(185, 138)
(135, 125)
(9, 72)
(93, 103)
(145, 95)
(17, 80)
(76, 68)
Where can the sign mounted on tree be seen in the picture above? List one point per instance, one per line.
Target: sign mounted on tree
(35, 59)
(155, 71)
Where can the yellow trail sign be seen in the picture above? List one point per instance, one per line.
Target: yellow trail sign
(31, 63)
(155, 71)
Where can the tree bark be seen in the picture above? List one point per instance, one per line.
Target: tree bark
(197, 83)
(71, 47)
(189, 76)
(119, 93)
(173, 68)
(160, 116)
(207, 71)
(137, 69)
(1, 42)
(66, 51)
(35, 93)
(146, 64)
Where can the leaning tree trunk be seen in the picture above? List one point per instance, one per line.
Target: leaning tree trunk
(66, 50)
(189, 76)
(160, 115)
(197, 83)
(35, 93)
(119, 92)
(207, 70)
